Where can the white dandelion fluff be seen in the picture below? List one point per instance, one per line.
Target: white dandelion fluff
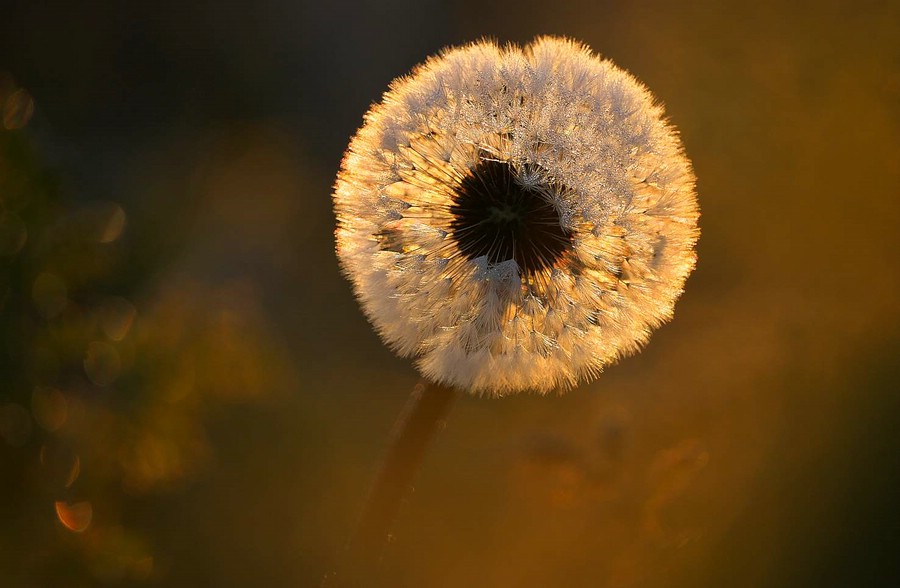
(516, 219)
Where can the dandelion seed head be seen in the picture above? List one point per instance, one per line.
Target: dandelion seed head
(516, 218)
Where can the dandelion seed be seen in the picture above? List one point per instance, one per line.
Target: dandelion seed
(516, 219)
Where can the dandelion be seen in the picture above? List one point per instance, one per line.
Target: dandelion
(516, 218)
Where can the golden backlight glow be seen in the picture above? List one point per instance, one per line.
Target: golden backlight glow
(189, 395)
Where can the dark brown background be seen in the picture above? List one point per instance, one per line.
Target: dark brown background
(227, 439)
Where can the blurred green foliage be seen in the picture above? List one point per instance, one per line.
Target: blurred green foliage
(103, 399)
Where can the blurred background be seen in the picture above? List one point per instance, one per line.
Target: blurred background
(189, 395)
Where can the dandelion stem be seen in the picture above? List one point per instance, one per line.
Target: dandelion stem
(422, 416)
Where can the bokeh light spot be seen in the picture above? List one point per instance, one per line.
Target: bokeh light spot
(61, 465)
(50, 295)
(13, 233)
(116, 317)
(17, 109)
(49, 407)
(74, 472)
(75, 516)
(110, 219)
(102, 363)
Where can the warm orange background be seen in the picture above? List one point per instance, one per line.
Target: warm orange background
(191, 397)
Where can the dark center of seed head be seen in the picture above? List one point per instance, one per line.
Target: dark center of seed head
(494, 215)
